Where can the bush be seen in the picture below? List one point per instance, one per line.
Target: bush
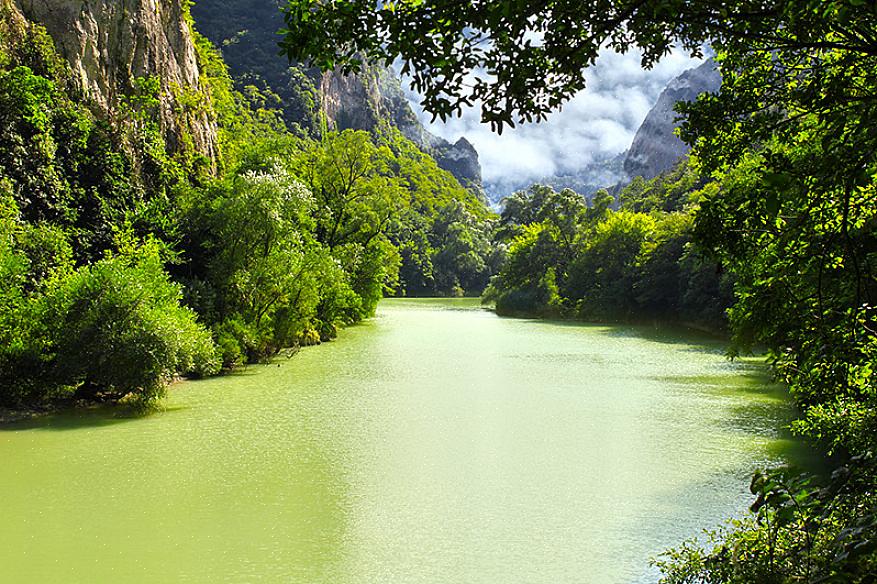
(107, 330)
(118, 328)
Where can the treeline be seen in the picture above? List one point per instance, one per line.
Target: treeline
(573, 258)
(124, 263)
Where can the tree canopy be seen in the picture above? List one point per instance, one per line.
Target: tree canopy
(520, 60)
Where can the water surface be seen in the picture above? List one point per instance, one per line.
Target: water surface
(435, 443)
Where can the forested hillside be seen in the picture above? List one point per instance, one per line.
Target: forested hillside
(132, 250)
(313, 101)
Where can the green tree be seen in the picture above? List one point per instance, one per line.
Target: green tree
(526, 284)
(602, 278)
(462, 250)
(534, 53)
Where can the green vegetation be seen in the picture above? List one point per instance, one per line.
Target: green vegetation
(126, 262)
(247, 35)
(786, 154)
(566, 258)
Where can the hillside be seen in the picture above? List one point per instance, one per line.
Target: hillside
(246, 32)
(155, 221)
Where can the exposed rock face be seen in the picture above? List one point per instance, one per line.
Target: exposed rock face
(350, 101)
(460, 159)
(247, 32)
(361, 101)
(109, 43)
(388, 101)
(655, 147)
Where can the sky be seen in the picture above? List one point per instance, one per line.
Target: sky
(597, 123)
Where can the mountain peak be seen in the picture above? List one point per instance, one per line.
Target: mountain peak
(655, 146)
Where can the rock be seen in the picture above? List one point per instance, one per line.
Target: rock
(655, 148)
(460, 159)
(362, 101)
(351, 102)
(246, 31)
(109, 43)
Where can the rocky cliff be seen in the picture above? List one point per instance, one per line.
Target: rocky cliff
(246, 32)
(459, 158)
(108, 44)
(655, 147)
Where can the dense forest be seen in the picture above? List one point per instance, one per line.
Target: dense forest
(780, 208)
(127, 260)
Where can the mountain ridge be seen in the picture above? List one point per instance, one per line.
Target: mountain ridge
(245, 32)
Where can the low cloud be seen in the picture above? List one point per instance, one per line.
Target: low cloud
(597, 123)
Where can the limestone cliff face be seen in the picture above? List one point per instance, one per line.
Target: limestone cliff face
(655, 147)
(361, 101)
(110, 43)
(350, 101)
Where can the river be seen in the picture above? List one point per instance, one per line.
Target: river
(435, 443)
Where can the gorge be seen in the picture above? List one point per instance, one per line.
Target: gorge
(560, 386)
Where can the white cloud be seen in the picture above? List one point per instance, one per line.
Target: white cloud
(597, 123)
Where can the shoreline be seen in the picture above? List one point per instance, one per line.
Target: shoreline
(12, 415)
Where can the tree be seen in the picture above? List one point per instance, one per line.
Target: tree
(356, 199)
(524, 59)
(356, 196)
(462, 250)
(602, 278)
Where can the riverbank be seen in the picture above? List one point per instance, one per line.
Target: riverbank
(9, 415)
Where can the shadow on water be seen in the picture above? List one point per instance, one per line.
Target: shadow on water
(686, 338)
(73, 418)
(761, 407)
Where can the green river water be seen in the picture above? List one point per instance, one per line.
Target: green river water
(435, 443)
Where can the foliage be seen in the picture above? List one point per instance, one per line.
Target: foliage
(113, 328)
(533, 53)
(799, 531)
(61, 163)
(252, 233)
(568, 258)
(244, 118)
(291, 239)
(304, 236)
(246, 34)
(77, 296)
(670, 191)
(443, 234)
(795, 220)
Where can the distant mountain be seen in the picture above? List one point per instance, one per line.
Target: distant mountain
(246, 32)
(655, 147)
